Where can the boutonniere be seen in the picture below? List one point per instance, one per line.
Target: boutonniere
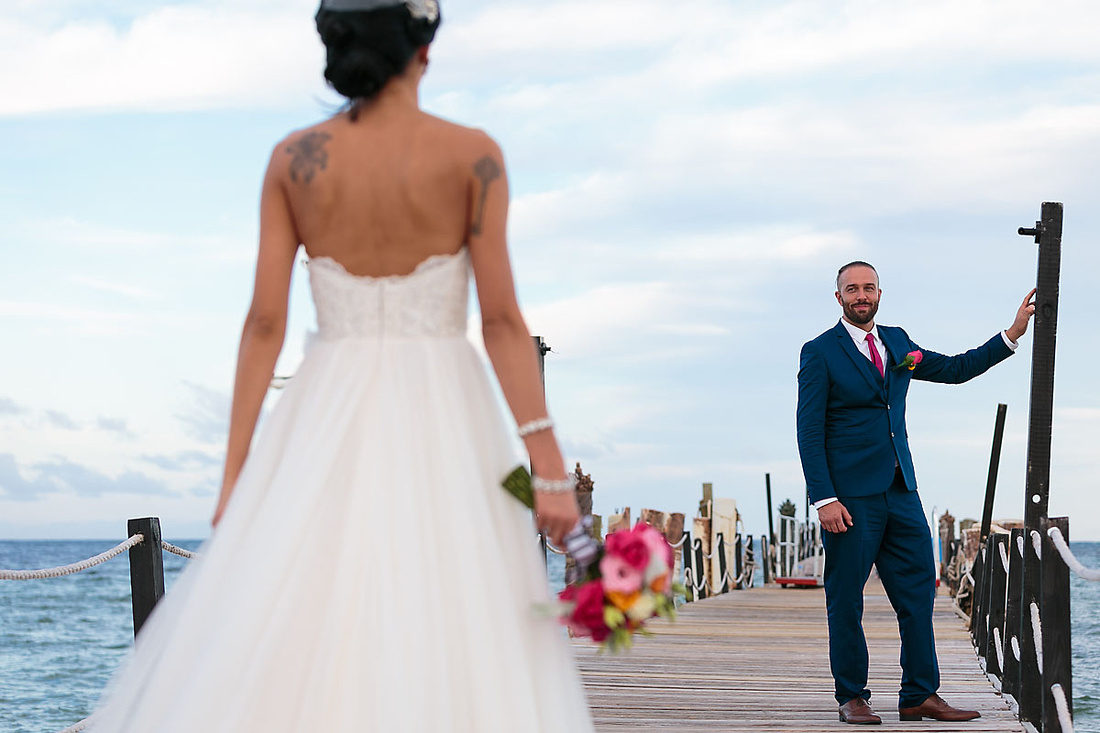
(910, 361)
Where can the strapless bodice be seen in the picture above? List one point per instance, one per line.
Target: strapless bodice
(431, 301)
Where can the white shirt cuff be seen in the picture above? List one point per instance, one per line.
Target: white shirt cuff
(823, 502)
(1009, 342)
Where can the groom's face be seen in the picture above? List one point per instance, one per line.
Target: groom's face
(859, 294)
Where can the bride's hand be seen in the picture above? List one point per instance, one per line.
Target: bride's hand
(556, 514)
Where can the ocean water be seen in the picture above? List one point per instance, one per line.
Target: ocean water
(60, 639)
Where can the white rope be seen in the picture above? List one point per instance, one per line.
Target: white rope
(169, 547)
(1004, 555)
(679, 542)
(1016, 648)
(1073, 563)
(1065, 720)
(1000, 649)
(1020, 545)
(1037, 635)
(75, 567)
(553, 549)
(1037, 543)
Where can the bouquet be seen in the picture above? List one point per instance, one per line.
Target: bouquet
(629, 584)
(615, 588)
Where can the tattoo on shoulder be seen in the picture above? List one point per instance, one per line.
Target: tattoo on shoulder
(308, 155)
(487, 170)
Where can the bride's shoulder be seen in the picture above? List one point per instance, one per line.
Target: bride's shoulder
(304, 148)
(463, 140)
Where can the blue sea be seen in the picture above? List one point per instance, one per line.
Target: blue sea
(60, 639)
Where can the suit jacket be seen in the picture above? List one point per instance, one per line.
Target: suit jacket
(851, 421)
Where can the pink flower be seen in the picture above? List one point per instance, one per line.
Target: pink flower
(656, 543)
(630, 546)
(619, 576)
(587, 616)
(910, 361)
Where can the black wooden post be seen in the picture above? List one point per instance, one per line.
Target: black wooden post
(768, 488)
(1048, 234)
(146, 568)
(697, 576)
(996, 605)
(977, 572)
(1057, 650)
(983, 632)
(750, 563)
(719, 551)
(541, 349)
(994, 465)
(738, 560)
(1010, 679)
(765, 559)
(687, 559)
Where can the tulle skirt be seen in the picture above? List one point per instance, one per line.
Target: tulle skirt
(369, 574)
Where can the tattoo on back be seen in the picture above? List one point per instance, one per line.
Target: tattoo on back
(487, 170)
(308, 155)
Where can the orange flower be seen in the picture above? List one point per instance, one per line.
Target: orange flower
(622, 601)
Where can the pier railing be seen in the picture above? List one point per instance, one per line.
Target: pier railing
(146, 548)
(1020, 599)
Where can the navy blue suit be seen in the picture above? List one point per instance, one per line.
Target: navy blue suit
(854, 446)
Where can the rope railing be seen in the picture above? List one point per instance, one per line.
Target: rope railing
(73, 568)
(1074, 564)
(169, 547)
(1064, 718)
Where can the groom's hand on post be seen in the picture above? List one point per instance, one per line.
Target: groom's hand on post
(834, 517)
(1023, 315)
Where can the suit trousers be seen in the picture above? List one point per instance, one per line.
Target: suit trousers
(888, 530)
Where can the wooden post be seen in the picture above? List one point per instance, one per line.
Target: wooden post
(1010, 679)
(583, 492)
(996, 605)
(994, 465)
(541, 348)
(977, 572)
(765, 559)
(1057, 649)
(688, 550)
(768, 488)
(738, 560)
(146, 569)
(723, 584)
(1048, 235)
(980, 624)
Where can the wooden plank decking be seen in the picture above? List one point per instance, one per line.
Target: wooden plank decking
(757, 660)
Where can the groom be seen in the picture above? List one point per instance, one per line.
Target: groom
(852, 382)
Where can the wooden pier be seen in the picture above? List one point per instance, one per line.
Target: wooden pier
(757, 660)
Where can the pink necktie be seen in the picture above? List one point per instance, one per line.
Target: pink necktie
(875, 358)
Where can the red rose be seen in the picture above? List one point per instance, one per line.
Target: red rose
(587, 617)
(630, 546)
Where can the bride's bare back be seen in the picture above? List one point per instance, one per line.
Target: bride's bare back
(384, 192)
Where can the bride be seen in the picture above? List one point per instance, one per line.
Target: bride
(367, 571)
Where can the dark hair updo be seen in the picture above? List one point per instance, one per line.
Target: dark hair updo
(366, 48)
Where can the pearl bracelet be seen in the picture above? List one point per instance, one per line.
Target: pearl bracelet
(562, 486)
(535, 426)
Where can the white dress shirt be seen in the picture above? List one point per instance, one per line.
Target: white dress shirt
(860, 337)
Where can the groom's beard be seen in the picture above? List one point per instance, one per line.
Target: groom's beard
(857, 317)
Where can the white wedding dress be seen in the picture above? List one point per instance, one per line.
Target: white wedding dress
(370, 573)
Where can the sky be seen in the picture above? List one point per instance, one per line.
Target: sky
(686, 179)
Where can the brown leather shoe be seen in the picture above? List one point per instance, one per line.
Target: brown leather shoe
(935, 708)
(857, 711)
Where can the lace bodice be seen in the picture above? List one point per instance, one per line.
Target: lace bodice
(430, 301)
